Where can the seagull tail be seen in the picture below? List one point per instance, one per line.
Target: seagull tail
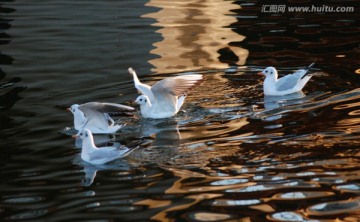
(307, 69)
(310, 66)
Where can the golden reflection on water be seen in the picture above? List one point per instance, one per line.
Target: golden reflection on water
(163, 215)
(193, 32)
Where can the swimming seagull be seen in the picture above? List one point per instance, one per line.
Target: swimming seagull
(100, 155)
(286, 85)
(94, 116)
(165, 98)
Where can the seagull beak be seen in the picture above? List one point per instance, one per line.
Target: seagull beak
(260, 74)
(68, 109)
(74, 136)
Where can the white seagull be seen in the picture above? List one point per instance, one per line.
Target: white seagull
(286, 85)
(165, 98)
(94, 116)
(100, 155)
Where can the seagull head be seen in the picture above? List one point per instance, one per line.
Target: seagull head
(79, 117)
(87, 144)
(74, 108)
(142, 100)
(86, 135)
(269, 72)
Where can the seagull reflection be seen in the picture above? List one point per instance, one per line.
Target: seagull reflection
(165, 132)
(91, 170)
(161, 140)
(274, 104)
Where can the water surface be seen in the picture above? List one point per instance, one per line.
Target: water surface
(231, 154)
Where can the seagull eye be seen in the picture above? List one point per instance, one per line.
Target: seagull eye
(140, 100)
(266, 71)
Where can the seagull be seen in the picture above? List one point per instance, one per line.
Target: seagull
(94, 116)
(100, 155)
(165, 98)
(286, 85)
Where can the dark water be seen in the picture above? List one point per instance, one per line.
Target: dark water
(230, 155)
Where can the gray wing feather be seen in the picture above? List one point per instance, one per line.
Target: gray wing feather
(289, 81)
(167, 90)
(111, 153)
(178, 85)
(106, 107)
(94, 116)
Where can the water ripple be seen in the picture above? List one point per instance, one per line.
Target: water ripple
(336, 207)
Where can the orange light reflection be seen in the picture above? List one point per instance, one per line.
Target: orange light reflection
(193, 32)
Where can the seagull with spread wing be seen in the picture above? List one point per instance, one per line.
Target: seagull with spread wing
(165, 98)
(95, 116)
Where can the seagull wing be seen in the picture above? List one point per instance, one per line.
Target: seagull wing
(176, 86)
(166, 91)
(143, 88)
(107, 154)
(107, 107)
(95, 118)
(290, 81)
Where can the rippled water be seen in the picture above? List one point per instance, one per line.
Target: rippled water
(231, 154)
